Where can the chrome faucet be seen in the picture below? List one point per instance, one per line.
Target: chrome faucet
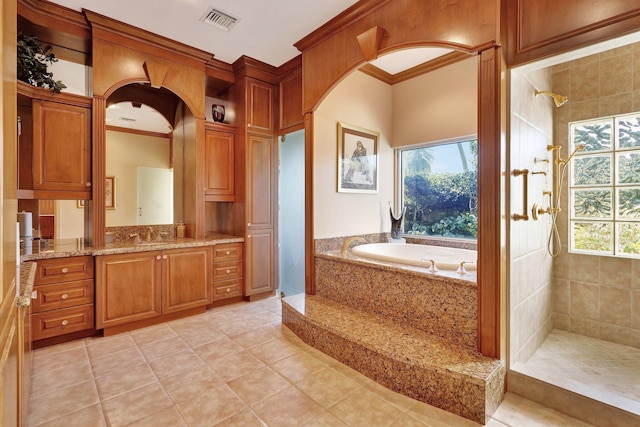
(149, 231)
(346, 243)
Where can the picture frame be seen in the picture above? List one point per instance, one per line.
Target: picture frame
(110, 192)
(357, 159)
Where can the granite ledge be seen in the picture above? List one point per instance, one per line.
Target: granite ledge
(75, 247)
(27, 279)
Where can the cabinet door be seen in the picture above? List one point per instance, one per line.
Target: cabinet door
(260, 107)
(61, 150)
(185, 279)
(127, 287)
(259, 260)
(260, 166)
(219, 158)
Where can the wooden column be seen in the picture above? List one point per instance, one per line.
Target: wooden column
(491, 245)
(96, 214)
(309, 263)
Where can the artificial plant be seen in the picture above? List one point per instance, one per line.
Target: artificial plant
(32, 63)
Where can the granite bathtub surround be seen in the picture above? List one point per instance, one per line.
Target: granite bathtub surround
(412, 331)
(439, 305)
(123, 233)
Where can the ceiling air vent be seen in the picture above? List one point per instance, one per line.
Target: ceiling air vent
(219, 19)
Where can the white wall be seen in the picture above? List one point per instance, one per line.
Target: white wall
(76, 77)
(125, 152)
(69, 220)
(359, 100)
(436, 106)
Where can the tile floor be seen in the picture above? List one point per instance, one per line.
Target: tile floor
(598, 369)
(232, 366)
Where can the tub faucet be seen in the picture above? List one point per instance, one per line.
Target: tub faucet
(433, 268)
(461, 269)
(349, 240)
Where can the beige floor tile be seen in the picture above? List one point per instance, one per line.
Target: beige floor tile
(54, 380)
(62, 402)
(103, 346)
(243, 419)
(254, 337)
(327, 387)
(152, 333)
(135, 405)
(272, 351)
(183, 362)
(48, 351)
(211, 406)
(64, 359)
(90, 416)
(198, 334)
(235, 365)
(289, 407)
(298, 366)
(406, 420)
(517, 411)
(325, 419)
(169, 417)
(324, 358)
(352, 374)
(156, 349)
(436, 417)
(365, 409)
(219, 348)
(117, 362)
(398, 400)
(258, 385)
(118, 383)
(185, 388)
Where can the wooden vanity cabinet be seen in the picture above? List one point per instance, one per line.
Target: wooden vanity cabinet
(146, 285)
(227, 271)
(64, 297)
(219, 161)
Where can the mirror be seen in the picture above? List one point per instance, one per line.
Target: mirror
(143, 157)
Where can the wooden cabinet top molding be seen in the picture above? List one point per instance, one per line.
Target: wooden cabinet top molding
(33, 92)
(333, 51)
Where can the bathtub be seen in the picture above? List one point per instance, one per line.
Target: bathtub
(419, 255)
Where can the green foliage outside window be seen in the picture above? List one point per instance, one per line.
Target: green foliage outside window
(441, 203)
(605, 186)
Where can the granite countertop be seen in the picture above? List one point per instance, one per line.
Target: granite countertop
(76, 247)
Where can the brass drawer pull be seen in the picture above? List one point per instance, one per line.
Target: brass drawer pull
(158, 257)
(228, 271)
(228, 252)
(65, 322)
(64, 296)
(228, 290)
(65, 270)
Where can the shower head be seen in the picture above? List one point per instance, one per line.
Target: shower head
(559, 100)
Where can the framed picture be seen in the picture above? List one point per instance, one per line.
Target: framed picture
(80, 204)
(357, 159)
(110, 192)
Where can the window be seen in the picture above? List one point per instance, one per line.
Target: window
(440, 189)
(604, 196)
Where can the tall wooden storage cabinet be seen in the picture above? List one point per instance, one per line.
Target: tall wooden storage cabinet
(256, 174)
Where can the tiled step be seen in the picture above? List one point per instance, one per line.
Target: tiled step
(409, 361)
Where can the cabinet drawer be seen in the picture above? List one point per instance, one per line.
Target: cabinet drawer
(227, 270)
(63, 321)
(227, 289)
(227, 252)
(64, 270)
(63, 295)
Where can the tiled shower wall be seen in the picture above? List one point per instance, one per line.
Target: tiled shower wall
(530, 267)
(594, 295)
